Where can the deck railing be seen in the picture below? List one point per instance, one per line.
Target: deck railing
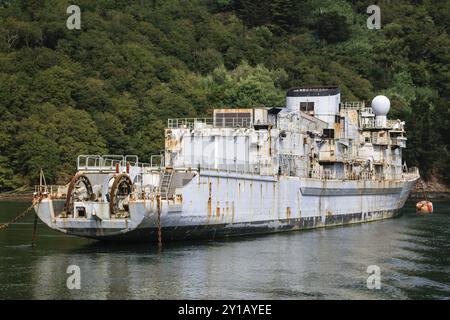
(193, 123)
(375, 124)
(189, 123)
(353, 105)
(110, 162)
(54, 191)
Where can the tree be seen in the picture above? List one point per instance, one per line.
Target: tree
(6, 175)
(51, 139)
(254, 12)
(332, 27)
(112, 130)
(248, 86)
(285, 17)
(111, 86)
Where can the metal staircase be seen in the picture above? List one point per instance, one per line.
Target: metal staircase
(166, 178)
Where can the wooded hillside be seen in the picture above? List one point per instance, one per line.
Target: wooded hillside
(110, 87)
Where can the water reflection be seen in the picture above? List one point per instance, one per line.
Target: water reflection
(412, 252)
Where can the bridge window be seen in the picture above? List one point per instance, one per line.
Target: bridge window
(233, 119)
(307, 106)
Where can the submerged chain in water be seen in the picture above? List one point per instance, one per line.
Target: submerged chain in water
(3, 226)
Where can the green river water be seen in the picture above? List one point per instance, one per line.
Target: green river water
(412, 253)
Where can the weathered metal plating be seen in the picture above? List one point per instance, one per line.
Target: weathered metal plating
(315, 163)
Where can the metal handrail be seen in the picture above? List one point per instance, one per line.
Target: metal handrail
(356, 105)
(188, 123)
(191, 123)
(157, 156)
(51, 190)
(105, 162)
(233, 122)
(132, 156)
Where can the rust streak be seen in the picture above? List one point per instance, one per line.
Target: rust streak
(217, 210)
(288, 213)
(209, 208)
(232, 212)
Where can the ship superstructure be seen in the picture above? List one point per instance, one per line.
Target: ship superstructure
(316, 162)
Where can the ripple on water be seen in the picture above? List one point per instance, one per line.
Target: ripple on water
(412, 252)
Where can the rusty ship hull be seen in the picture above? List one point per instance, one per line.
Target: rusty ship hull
(217, 205)
(317, 162)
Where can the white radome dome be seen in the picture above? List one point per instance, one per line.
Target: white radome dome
(381, 105)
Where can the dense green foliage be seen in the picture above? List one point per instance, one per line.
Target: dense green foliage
(110, 87)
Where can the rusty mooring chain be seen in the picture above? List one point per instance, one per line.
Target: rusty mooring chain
(34, 234)
(37, 200)
(5, 225)
(158, 204)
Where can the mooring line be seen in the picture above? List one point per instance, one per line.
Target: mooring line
(158, 204)
(34, 234)
(5, 225)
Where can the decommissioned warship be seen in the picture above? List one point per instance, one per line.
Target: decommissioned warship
(316, 162)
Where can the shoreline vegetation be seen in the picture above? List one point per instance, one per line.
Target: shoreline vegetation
(16, 196)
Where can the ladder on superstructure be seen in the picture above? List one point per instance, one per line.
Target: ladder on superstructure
(164, 185)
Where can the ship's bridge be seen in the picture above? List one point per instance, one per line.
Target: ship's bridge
(235, 138)
(258, 118)
(315, 132)
(320, 102)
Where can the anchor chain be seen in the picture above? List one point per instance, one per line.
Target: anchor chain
(34, 234)
(5, 225)
(158, 204)
(37, 201)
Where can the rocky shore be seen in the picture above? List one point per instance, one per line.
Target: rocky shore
(433, 191)
(430, 195)
(16, 196)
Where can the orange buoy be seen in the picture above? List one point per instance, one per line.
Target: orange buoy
(424, 206)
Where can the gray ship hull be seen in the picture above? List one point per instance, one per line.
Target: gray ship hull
(218, 205)
(222, 231)
(316, 163)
